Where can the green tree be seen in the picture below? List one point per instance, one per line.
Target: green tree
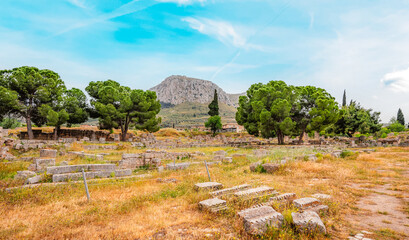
(400, 118)
(75, 103)
(214, 123)
(214, 105)
(119, 106)
(355, 118)
(344, 99)
(8, 101)
(315, 110)
(267, 110)
(71, 108)
(10, 123)
(34, 87)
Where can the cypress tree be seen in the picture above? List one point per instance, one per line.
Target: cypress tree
(214, 105)
(400, 118)
(344, 99)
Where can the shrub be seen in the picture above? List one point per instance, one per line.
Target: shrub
(396, 127)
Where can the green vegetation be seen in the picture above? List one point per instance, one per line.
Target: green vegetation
(10, 123)
(400, 118)
(215, 121)
(355, 118)
(26, 89)
(277, 109)
(119, 106)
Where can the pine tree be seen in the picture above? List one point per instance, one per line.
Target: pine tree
(400, 118)
(214, 105)
(344, 99)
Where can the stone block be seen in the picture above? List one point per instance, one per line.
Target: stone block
(319, 209)
(213, 205)
(34, 180)
(227, 160)
(177, 166)
(71, 176)
(304, 203)
(230, 190)
(42, 164)
(284, 198)
(254, 193)
(23, 175)
(257, 220)
(102, 140)
(308, 221)
(271, 167)
(207, 186)
(48, 153)
(220, 153)
(101, 167)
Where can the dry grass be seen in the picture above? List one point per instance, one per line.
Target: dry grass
(131, 209)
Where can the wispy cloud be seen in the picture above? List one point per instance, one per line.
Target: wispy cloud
(222, 31)
(397, 81)
(128, 8)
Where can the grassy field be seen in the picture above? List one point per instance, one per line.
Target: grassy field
(143, 208)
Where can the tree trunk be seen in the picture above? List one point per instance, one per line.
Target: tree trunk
(280, 138)
(124, 130)
(29, 128)
(301, 136)
(56, 130)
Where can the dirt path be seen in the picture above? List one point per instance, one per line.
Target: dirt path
(385, 204)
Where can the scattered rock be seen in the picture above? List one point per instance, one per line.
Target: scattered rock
(308, 221)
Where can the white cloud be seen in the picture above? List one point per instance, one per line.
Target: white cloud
(222, 31)
(183, 2)
(397, 81)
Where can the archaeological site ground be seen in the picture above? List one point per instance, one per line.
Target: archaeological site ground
(156, 186)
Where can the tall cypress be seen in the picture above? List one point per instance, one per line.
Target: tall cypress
(214, 105)
(344, 99)
(400, 118)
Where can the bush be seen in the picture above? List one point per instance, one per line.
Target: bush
(10, 123)
(396, 127)
(346, 153)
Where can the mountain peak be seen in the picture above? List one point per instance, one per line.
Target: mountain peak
(177, 89)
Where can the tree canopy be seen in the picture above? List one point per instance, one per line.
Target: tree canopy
(33, 88)
(276, 109)
(214, 105)
(400, 118)
(119, 106)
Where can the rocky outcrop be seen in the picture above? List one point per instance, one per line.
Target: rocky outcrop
(178, 89)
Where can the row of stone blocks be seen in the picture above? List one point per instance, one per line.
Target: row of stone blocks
(78, 168)
(257, 219)
(90, 175)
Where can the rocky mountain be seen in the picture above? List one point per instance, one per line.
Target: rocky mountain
(177, 89)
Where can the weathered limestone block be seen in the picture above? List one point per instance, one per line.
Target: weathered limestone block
(48, 153)
(237, 155)
(319, 209)
(284, 198)
(23, 175)
(308, 221)
(227, 160)
(78, 168)
(231, 190)
(336, 154)
(257, 220)
(177, 166)
(42, 164)
(254, 193)
(102, 140)
(304, 203)
(271, 167)
(34, 180)
(207, 186)
(213, 205)
(71, 176)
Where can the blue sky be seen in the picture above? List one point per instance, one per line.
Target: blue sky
(361, 46)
